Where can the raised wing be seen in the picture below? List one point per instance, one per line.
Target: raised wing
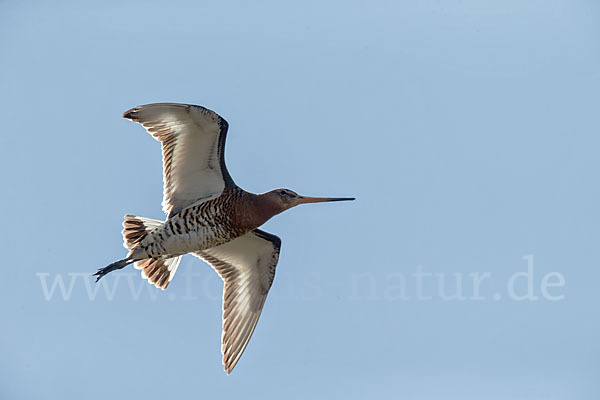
(247, 267)
(193, 145)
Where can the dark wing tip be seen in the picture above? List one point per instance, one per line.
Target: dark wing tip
(129, 114)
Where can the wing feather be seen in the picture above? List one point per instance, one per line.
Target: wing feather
(193, 149)
(247, 267)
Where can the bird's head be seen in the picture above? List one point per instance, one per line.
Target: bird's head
(279, 200)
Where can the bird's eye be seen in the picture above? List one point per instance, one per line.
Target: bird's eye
(282, 193)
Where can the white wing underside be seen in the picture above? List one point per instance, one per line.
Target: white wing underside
(193, 142)
(247, 267)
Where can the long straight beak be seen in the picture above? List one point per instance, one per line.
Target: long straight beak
(305, 200)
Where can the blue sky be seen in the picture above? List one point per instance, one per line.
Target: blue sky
(467, 130)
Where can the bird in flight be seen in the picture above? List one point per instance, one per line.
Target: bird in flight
(209, 216)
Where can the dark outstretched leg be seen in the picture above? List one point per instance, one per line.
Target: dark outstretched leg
(112, 267)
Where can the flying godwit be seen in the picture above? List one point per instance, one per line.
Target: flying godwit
(209, 216)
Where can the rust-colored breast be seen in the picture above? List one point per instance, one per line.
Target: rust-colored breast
(249, 211)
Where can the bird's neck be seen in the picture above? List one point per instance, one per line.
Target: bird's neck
(254, 210)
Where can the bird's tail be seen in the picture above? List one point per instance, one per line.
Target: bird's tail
(135, 229)
(159, 272)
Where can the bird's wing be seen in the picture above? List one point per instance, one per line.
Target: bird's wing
(193, 145)
(247, 267)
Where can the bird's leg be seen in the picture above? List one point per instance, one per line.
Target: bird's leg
(112, 267)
